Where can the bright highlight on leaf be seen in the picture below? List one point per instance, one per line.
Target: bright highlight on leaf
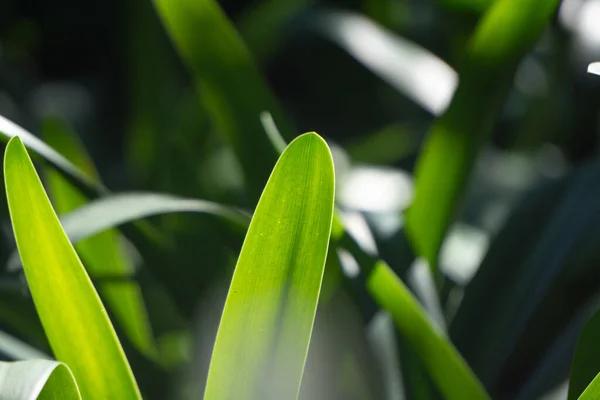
(594, 68)
(267, 321)
(73, 317)
(37, 379)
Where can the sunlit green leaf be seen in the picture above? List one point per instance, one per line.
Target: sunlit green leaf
(235, 95)
(73, 317)
(37, 379)
(507, 30)
(104, 253)
(267, 321)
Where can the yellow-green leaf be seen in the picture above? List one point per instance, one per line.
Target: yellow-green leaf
(71, 312)
(263, 337)
(103, 254)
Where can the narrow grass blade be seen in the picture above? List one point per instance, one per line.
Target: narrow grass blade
(592, 392)
(449, 371)
(263, 337)
(37, 379)
(73, 317)
(505, 33)
(586, 360)
(9, 129)
(230, 84)
(104, 253)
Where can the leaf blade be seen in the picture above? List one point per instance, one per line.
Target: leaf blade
(290, 229)
(507, 30)
(447, 368)
(231, 86)
(104, 253)
(73, 317)
(37, 379)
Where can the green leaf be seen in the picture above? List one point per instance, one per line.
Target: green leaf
(263, 337)
(104, 253)
(73, 317)
(119, 209)
(520, 270)
(231, 87)
(592, 392)
(506, 32)
(9, 129)
(37, 379)
(16, 349)
(586, 360)
(449, 371)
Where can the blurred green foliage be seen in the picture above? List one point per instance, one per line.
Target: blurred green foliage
(476, 116)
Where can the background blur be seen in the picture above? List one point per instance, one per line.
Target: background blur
(370, 76)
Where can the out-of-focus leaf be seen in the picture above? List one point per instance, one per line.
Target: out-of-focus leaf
(37, 379)
(473, 6)
(592, 392)
(16, 349)
(264, 26)
(112, 211)
(230, 85)
(586, 361)
(385, 146)
(118, 209)
(558, 358)
(519, 270)
(9, 129)
(104, 253)
(413, 70)
(73, 317)
(449, 371)
(507, 30)
(263, 337)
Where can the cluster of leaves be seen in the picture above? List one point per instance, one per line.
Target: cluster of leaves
(297, 246)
